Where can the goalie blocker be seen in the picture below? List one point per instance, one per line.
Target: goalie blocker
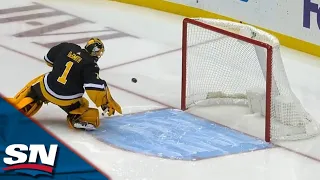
(75, 70)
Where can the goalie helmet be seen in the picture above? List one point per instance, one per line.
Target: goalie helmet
(95, 48)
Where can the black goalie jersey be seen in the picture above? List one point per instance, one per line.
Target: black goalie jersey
(74, 71)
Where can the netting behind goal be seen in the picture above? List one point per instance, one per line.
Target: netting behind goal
(232, 63)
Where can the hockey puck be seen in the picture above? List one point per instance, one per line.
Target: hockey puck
(134, 80)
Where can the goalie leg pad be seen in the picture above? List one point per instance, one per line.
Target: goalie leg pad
(91, 116)
(84, 117)
(84, 106)
(26, 90)
(26, 99)
(30, 109)
(89, 120)
(27, 105)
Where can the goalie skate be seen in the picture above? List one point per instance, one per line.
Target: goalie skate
(84, 125)
(75, 122)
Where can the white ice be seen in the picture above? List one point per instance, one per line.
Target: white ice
(159, 79)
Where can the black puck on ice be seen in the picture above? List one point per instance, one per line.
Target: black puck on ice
(134, 80)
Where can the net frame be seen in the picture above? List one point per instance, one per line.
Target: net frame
(269, 54)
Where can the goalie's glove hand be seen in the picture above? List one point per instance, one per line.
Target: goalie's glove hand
(111, 106)
(108, 108)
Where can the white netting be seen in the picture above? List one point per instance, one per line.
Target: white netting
(225, 70)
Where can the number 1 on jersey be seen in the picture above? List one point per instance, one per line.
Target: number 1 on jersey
(63, 79)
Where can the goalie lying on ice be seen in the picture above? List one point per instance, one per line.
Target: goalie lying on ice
(74, 71)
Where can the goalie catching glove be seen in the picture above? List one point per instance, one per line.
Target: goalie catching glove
(111, 106)
(104, 100)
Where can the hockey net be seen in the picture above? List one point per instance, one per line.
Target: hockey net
(231, 63)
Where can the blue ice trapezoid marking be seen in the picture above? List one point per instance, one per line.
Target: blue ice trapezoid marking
(174, 134)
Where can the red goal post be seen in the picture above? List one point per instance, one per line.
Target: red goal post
(228, 63)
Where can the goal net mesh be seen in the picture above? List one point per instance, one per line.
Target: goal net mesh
(221, 69)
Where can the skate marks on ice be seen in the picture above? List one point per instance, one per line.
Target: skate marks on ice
(174, 134)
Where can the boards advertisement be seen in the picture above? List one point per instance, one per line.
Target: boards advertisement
(299, 18)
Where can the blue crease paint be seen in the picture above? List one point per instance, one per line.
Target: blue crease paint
(174, 134)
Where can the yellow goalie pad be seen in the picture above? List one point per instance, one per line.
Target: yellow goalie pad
(83, 108)
(112, 105)
(90, 115)
(105, 100)
(26, 104)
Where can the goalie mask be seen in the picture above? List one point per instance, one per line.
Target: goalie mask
(95, 48)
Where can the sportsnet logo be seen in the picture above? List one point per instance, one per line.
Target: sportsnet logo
(19, 159)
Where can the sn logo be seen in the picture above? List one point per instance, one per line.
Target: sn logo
(19, 159)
